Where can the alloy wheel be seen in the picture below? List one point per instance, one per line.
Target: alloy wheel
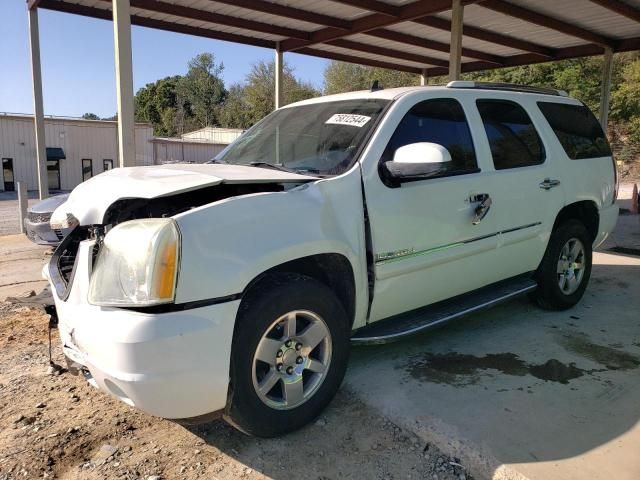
(291, 360)
(571, 266)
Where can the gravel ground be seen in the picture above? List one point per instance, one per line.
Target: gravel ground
(57, 426)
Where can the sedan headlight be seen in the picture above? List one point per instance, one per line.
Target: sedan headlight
(61, 220)
(137, 264)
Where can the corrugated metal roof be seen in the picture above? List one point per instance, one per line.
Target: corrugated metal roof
(410, 35)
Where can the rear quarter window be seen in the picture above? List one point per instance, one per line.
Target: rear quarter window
(577, 129)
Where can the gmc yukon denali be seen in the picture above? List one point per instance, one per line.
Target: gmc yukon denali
(237, 287)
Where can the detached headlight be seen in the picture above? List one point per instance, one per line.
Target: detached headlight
(137, 264)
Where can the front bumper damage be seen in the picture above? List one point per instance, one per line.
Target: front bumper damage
(173, 365)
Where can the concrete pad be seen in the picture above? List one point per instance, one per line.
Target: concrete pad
(21, 264)
(627, 233)
(10, 211)
(518, 392)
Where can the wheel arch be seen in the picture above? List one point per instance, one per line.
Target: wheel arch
(586, 211)
(334, 270)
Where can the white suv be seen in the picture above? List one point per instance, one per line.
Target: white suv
(237, 286)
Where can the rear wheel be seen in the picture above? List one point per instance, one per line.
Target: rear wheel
(564, 272)
(290, 353)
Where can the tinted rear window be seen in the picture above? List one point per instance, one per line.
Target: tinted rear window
(577, 130)
(512, 137)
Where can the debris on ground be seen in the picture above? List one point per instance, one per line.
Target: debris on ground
(58, 426)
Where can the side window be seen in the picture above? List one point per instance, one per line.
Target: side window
(513, 139)
(440, 121)
(577, 130)
(107, 164)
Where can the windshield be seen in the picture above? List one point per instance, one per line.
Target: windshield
(320, 138)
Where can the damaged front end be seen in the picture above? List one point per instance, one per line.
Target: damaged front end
(115, 280)
(106, 202)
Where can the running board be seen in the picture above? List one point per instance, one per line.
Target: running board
(409, 323)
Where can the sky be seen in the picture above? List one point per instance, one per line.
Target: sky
(77, 60)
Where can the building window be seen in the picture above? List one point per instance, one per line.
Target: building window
(107, 164)
(7, 175)
(87, 169)
(513, 139)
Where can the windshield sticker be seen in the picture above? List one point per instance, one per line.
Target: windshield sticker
(348, 119)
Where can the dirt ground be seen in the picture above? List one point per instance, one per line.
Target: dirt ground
(58, 426)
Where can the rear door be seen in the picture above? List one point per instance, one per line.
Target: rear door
(527, 184)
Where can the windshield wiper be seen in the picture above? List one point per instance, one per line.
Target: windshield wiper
(283, 168)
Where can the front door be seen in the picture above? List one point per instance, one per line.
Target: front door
(53, 174)
(7, 175)
(426, 244)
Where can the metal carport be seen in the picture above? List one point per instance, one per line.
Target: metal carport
(425, 37)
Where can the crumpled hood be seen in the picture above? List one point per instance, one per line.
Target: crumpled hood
(89, 201)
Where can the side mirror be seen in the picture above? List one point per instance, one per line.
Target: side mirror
(417, 161)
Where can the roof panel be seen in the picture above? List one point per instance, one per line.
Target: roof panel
(585, 14)
(334, 9)
(371, 56)
(443, 36)
(224, 9)
(476, 16)
(588, 15)
(403, 47)
(207, 25)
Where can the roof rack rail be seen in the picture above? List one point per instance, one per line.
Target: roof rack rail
(511, 87)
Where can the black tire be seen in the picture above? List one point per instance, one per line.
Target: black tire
(269, 300)
(549, 295)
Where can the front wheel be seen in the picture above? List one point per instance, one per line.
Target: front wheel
(564, 272)
(289, 356)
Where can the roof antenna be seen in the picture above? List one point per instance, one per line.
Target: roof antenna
(375, 86)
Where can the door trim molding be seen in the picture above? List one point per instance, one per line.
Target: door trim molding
(390, 257)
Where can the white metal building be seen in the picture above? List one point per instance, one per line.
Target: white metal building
(76, 149)
(217, 135)
(198, 146)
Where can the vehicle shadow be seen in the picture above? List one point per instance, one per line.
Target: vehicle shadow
(349, 440)
(537, 391)
(549, 393)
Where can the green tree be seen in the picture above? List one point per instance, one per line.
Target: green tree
(90, 116)
(156, 103)
(201, 90)
(347, 77)
(235, 112)
(249, 102)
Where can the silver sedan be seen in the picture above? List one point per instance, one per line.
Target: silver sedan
(37, 227)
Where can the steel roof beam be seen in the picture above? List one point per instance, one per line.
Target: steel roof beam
(358, 60)
(288, 12)
(488, 36)
(619, 8)
(432, 44)
(217, 18)
(587, 50)
(552, 23)
(405, 13)
(105, 14)
(388, 52)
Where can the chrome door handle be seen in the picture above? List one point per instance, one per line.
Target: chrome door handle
(482, 209)
(548, 183)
